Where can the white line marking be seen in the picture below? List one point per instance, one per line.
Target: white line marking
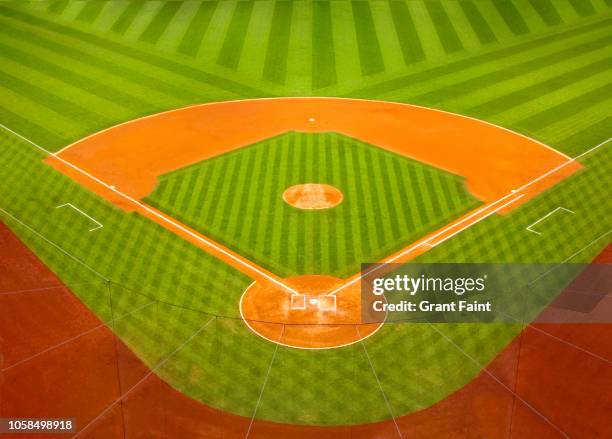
(54, 244)
(512, 192)
(246, 321)
(76, 337)
(399, 432)
(427, 241)
(485, 370)
(479, 219)
(99, 225)
(151, 372)
(199, 238)
(263, 386)
(530, 227)
(333, 98)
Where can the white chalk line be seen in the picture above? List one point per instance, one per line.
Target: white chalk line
(196, 236)
(501, 383)
(530, 227)
(265, 382)
(389, 408)
(17, 220)
(76, 337)
(151, 372)
(257, 270)
(99, 225)
(512, 192)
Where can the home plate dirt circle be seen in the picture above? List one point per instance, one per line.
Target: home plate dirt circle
(313, 319)
(313, 196)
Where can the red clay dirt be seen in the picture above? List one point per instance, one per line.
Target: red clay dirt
(315, 319)
(548, 366)
(313, 196)
(132, 155)
(122, 163)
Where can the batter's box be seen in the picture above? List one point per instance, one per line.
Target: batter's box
(323, 303)
(298, 301)
(326, 303)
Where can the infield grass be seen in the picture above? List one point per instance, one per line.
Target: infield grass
(389, 202)
(70, 68)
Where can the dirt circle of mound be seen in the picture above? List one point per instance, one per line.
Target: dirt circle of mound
(313, 319)
(313, 196)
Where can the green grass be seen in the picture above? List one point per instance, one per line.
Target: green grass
(230, 53)
(190, 44)
(237, 200)
(69, 68)
(444, 27)
(275, 67)
(323, 53)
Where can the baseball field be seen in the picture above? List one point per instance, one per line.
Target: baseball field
(189, 189)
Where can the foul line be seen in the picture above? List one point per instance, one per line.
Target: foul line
(52, 243)
(512, 192)
(99, 225)
(157, 214)
(529, 227)
(427, 241)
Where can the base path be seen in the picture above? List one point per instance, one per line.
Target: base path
(502, 168)
(131, 156)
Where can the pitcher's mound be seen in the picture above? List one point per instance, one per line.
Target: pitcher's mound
(312, 196)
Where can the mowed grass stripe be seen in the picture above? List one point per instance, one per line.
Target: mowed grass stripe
(373, 214)
(464, 64)
(124, 21)
(160, 21)
(291, 241)
(46, 99)
(539, 89)
(408, 38)
(192, 39)
(511, 16)
(57, 7)
(109, 65)
(526, 67)
(566, 109)
(245, 175)
(506, 85)
(370, 56)
(231, 51)
(580, 141)
(275, 64)
(76, 76)
(17, 122)
(584, 8)
(336, 228)
(278, 241)
(181, 69)
(477, 21)
(386, 208)
(251, 195)
(547, 11)
(90, 11)
(444, 27)
(323, 50)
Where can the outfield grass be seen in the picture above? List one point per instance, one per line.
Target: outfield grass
(389, 202)
(70, 68)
